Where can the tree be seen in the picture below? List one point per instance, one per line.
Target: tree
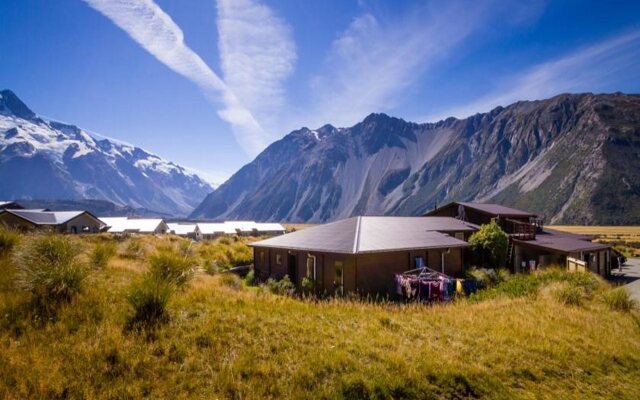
(492, 241)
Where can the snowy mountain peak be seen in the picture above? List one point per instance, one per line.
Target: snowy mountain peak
(11, 104)
(62, 161)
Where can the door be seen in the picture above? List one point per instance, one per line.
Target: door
(292, 268)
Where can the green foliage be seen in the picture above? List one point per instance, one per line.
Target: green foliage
(619, 299)
(307, 284)
(489, 277)
(491, 240)
(8, 240)
(283, 286)
(149, 298)
(50, 268)
(102, 252)
(250, 278)
(173, 265)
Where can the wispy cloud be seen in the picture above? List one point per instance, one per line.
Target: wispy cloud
(373, 62)
(257, 54)
(589, 69)
(147, 24)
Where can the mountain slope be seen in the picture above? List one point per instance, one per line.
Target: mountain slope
(574, 158)
(48, 159)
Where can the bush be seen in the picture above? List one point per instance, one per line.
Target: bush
(134, 249)
(250, 278)
(171, 265)
(231, 280)
(619, 299)
(149, 299)
(102, 253)
(570, 295)
(491, 240)
(283, 286)
(8, 240)
(49, 268)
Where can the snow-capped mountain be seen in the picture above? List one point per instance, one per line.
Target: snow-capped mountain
(43, 159)
(574, 158)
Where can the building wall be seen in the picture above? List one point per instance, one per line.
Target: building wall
(78, 224)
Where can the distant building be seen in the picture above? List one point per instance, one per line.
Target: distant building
(10, 205)
(362, 254)
(269, 229)
(530, 244)
(243, 228)
(188, 230)
(135, 225)
(212, 230)
(74, 222)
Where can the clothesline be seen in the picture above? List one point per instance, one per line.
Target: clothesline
(426, 284)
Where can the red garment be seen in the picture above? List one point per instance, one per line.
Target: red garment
(434, 291)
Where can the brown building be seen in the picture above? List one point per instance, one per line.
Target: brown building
(529, 242)
(75, 222)
(362, 254)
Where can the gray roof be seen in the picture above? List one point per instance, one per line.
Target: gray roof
(563, 242)
(359, 235)
(497, 209)
(39, 217)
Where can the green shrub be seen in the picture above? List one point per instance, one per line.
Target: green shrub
(619, 299)
(492, 241)
(283, 286)
(570, 295)
(149, 299)
(170, 264)
(50, 268)
(250, 278)
(101, 253)
(8, 240)
(231, 280)
(307, 284)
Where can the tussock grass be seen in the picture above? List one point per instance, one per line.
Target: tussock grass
(225, 342)
(102, 252)
(8, 240)
(50, 268)
(619, 299)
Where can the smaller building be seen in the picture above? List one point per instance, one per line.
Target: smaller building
(183, 229)
(243, 228)
(269, 229)
(530, 243)
(73, 222)
(121, 225)
(212, 230)
(363, 254)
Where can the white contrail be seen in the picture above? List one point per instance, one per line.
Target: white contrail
(146, 23)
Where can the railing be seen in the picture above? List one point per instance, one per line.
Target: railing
(520, 230)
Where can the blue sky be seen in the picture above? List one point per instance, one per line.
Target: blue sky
(208, 84)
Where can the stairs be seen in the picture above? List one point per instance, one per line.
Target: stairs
(510, 250)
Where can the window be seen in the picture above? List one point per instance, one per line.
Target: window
(419, 262)
(262, 257)
(459, 235)
(338, 280)
(279, 259)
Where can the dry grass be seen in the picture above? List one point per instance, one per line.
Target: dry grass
(225, 342)
(625, 239)
(297, 227)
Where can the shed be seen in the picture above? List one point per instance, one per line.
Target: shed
(188, 230)
(135, 225)
(212, 230)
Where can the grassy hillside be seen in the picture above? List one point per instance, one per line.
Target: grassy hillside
(552, 335)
